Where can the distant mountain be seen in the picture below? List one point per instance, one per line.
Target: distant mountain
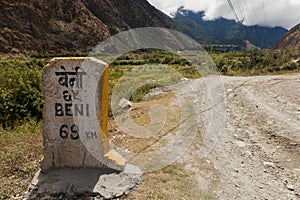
(58, 26)
(223, 31)
(290, 40)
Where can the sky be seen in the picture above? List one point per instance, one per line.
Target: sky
(285, 13)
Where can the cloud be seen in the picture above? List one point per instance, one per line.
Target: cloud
(262, 12)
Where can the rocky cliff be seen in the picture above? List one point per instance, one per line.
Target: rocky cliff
(60, 26)
(291, 40)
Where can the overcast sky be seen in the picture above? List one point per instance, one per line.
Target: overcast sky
(284, 13)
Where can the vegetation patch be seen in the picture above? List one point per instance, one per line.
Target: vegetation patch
(257, 62)
(20, 156)
(20, 90)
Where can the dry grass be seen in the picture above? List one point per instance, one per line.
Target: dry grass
(172, 182)
(20, 154)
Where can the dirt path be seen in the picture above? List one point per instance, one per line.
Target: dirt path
(258, 154)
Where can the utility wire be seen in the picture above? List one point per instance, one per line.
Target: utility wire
(250, 19)
(240, 8)
(233, 10)
(244, 10)
(266, 26)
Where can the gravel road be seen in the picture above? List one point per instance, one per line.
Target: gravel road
(258, 154)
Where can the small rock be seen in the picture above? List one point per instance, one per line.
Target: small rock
(269, 164)
(208, 161)
(290, 187)
(241, 144)
(125, 104)
(184, 79)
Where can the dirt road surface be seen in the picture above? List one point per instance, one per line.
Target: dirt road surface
(256, 155)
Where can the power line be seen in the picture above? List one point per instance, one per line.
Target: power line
(265, 18)
(233, 10)
(240, 8)
(250, 19)
(244, 10)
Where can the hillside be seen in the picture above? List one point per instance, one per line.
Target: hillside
(223, 31)
(70, 26)
(291, 39)
(48, 26)
(121, 15)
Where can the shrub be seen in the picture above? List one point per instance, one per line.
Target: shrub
(290, 65)
(20, 90)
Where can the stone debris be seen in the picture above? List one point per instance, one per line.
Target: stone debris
(269, 164)
(125, 104)
(72, 183)
(290, 187)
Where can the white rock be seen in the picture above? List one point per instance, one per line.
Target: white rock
(184, 79)
(269, 164)
(290, 187)
(240, 144)
(125, 104)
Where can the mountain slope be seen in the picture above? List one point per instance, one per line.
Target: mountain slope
(121, 15)
(291, 39)
(48, 26)
(223, 31)
(60, 26)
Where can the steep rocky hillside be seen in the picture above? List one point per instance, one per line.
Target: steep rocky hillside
(60, 26)
(291, 39)
(48, 26)
(120, 15)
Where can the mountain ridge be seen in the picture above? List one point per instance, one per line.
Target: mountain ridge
(291, 39)
(224, 31)
(64, 26)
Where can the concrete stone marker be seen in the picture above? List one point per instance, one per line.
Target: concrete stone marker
(75, 115)
(76, 150)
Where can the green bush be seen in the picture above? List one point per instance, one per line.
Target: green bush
(20, 90)
(290, 65)
(142, 91)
